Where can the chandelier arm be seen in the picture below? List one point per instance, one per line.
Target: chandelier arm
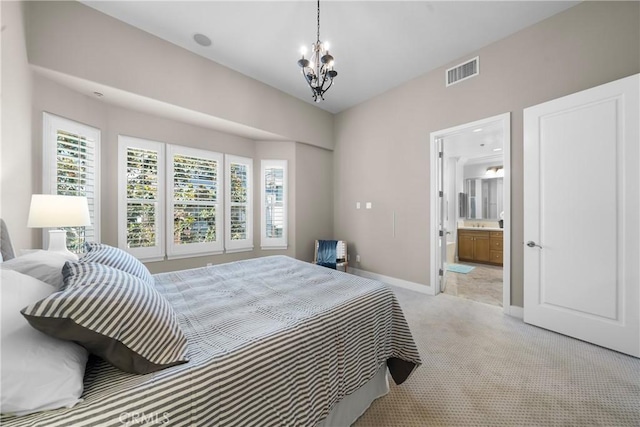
(330, 84)
(306, 79)
(324, 80)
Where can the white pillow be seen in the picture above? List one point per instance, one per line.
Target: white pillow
(38, 372)
(43, 265)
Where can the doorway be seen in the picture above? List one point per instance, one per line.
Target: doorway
(470, 210)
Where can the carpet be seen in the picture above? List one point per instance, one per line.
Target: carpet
(459, 268)
(483, 368)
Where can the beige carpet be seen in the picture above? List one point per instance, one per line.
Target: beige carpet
(482, 368)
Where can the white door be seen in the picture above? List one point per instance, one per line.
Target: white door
(582, 215)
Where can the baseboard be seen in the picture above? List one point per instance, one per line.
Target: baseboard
(413, 286)
(516, 311)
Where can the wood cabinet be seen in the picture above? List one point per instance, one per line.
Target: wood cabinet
(480, 246)
(496, 242)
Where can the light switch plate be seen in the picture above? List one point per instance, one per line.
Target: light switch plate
(357, 205)
(368, 205)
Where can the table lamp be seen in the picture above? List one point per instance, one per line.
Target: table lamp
(52, 210)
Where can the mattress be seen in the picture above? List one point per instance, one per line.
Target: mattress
(271, 341)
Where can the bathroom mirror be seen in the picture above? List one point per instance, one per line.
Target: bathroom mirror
(484, 198)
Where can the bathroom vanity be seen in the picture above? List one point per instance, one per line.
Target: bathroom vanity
(480, 245)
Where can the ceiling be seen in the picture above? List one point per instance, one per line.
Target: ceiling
(377, 45)
(476, 143)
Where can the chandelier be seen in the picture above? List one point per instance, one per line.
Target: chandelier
(318, 72)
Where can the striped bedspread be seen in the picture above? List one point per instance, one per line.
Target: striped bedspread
(272, 341)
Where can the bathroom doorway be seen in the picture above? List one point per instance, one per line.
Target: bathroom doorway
(470, 214)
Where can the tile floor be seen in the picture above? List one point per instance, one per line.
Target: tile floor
(482, 284)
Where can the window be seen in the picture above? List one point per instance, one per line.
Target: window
(195, 202)
(71, 168)
(239, 209)
(141, 197)
(185, 211)
(273, 211)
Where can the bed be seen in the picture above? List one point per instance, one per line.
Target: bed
(270, 341)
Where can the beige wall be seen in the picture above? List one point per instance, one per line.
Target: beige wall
(49, 36)
(113, 121)
(120, 56)
(382, 145)
(314, 198)
(15, 150)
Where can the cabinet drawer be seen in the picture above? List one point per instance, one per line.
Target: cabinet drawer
(496, 244)
(497, 234)
(496, 257)
(467, 233)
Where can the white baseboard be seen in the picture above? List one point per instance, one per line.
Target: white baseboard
(413, 286)
(516, 311)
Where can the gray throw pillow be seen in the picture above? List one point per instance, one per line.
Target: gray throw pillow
(116, 258)
(114, 315)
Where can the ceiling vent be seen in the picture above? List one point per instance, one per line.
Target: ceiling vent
(463, 71)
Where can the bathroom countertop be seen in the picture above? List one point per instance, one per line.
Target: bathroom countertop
(481, 228)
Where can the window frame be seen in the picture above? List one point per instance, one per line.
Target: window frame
(175, 251)
(158, 251)
(51, 124)
(274, 243)
(244, 245)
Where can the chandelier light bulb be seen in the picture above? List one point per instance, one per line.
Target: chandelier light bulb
(303, 51)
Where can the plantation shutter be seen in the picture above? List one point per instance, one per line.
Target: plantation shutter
(71, 168)
(239, 206)
(195, 210)
(141, 197)
(273, 204)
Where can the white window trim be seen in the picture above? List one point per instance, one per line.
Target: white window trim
(175, 251)
(50, 125)
(270, 243)
(157, 252)
(233, 246)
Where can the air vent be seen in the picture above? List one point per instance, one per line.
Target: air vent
(463, 71)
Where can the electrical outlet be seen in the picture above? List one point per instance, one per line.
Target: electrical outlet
(357, 258)
(209, 264)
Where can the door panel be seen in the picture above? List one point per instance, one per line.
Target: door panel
(581, 197)
(586, 193)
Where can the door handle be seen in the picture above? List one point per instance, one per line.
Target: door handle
(533, 244)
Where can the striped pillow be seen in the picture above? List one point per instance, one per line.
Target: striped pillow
(116, 258)
(114, 315)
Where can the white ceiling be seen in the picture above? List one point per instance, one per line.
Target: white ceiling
(377, 45)
(478, 143)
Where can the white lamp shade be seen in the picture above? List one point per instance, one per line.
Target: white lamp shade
(52, 210)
